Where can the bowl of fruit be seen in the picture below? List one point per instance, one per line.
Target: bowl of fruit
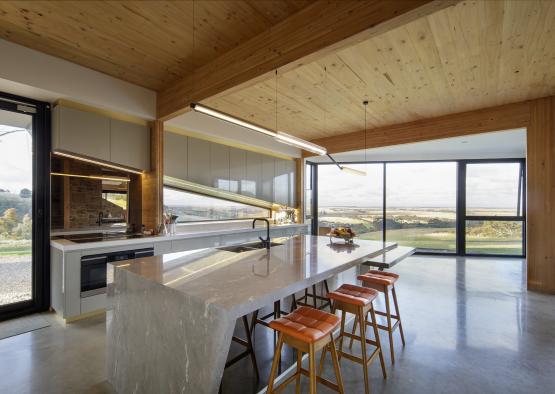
(345, 233)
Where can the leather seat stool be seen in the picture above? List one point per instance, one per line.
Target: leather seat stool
(307, 330)
(383, 282)
(358, 301)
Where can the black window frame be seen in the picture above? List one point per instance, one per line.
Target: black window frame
(41, 120)
(461, 217)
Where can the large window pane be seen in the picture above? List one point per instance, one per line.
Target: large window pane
(191, 207)
(351, 200)
(16, 180)
(494, 237)
(492, 189)
(421, 205)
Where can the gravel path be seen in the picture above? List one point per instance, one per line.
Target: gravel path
(15, 279)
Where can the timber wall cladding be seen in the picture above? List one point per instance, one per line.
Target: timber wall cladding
(540, 227)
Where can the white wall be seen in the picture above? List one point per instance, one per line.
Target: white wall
(33, 74)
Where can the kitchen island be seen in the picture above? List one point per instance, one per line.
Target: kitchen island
(171, 317)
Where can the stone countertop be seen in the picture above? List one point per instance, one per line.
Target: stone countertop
(69, 246)
(242, 282)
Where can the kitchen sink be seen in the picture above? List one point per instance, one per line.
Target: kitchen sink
(247, 247)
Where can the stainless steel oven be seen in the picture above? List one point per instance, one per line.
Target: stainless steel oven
(93, 269)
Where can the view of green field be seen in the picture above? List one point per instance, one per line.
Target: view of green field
(428, 228)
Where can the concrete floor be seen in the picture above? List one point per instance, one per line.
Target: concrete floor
(469, 323)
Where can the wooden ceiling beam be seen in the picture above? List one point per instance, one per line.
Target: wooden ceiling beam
(484, 120)
(311, 33)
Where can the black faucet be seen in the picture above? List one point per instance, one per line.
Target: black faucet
(100, 218)
(266, 242)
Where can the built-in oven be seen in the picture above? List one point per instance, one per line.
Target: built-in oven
(93, 269)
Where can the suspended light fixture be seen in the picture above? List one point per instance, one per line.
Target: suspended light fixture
(231, 119)
(288, 139)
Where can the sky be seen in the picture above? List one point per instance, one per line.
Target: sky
(419, 185)
(15, 160)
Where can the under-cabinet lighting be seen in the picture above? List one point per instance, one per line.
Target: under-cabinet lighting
(231, 119)
(300, 143)
(101, 177)
(284, 138)
(100, 163)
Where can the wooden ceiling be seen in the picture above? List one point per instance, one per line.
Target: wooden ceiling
(476, 54)
(148, 43)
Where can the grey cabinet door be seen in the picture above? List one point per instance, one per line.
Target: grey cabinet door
(130, 144)
(175, 155)
(292, 171)
(268, 173)
(198, 161)
(219, 166)
(237, 169)
(81, 132)
(281, 182)
(251, 186)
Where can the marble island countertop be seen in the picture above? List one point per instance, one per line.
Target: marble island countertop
(241, 282)
(187, 232)
(171, 317)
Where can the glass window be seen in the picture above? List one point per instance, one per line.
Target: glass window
(191, 207)
(351, 200)
(493, 189)
(421, 205)
(494, 237)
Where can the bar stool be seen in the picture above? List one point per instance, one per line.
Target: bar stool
(326, 302)
(307, 330)
(358, 301)
(382, 282)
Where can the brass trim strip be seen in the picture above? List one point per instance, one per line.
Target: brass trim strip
(103, 112)
(223, 141)
(85, 315)
(59, 152)
(100, 177)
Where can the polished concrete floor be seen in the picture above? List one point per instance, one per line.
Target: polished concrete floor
(469, 323)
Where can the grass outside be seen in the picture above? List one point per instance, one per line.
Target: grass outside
(15, 248)
(444, 239)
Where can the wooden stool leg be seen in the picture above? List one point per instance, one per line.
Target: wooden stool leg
(253, 322)
(322, 358)
(363, 348)
(398, 314)
(378, 342)
(353, 332)
(389, 328)
(250, 347)
(314, 300)
(299, 366)
(336, 367)
(312, 367)
(275, 363)
(341, 332)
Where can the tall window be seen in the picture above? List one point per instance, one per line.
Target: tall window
(351, 200)
(474, 207)
(421, 205)
(191, 207)
(494, 217)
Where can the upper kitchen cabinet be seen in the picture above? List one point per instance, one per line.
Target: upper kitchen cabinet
(96, 136)
(267, 182)
(292, 170)
(251, 185)
(237, 169)
(281, 182)
(219, 166)
(198, 161)
(175, 155)
(130, 144)
(81, 132)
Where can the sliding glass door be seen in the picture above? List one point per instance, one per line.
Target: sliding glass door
(23, 206)
(494, 217)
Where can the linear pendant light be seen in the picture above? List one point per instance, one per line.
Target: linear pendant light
(300, 143)
(231, 119)
(281, 137)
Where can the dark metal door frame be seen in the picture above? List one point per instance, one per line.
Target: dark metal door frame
(40, 112)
